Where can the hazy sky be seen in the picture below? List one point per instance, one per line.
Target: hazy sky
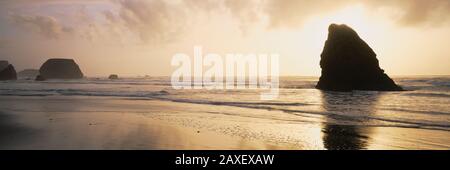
(130, 37)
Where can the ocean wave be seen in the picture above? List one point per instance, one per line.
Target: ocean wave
(416, 111)
(334, 115)
(262, 105)
(432, 83)
(132, 89)
(425, 94)
(80, 92)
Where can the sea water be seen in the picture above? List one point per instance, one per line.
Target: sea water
(424, 105)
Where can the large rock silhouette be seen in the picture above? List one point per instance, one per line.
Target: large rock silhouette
(7, 71)
(58, 68)
(3, 64)
(348, 63)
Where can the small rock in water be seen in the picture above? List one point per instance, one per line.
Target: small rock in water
(40, 78)
(163, 92)
(113, 77)
(7, 71)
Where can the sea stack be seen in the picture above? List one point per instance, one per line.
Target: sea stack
(58, 68)
(39, 78)
(3, 64)
(113, 76)
(7, 71)
(348, 63)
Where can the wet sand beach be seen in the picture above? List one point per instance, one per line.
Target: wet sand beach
(74, 122)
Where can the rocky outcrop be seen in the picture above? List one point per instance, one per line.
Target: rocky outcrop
(39, 78)
(113, 76)
(28, 73)
(7, 71)
(348, 63)
(60, 69)
(3, 64)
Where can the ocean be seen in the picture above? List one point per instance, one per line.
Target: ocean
(302, 117)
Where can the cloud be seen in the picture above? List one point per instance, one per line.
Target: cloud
(246, 12)
(46, 26)
(160, 21)
(288, 13)
(153, 21)
(294, 12)
(416, 12)
(203, 5)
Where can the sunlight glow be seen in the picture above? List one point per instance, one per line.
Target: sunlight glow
(354, 16)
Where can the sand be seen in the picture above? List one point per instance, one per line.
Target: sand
(71, 122)
(67, 123)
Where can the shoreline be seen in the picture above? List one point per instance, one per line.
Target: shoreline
(96, 130)
(72, 122)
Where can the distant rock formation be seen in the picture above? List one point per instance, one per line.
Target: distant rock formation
(39, 78)
(60, 69)
(348, 63)
(3, 64)
(7, 71)
(113, 76)
(28, 73)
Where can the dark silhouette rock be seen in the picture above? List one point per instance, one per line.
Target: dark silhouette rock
(40, 78)
(348, 63)
(3, 64)
(8, 73)
(163, 92)
(113, 76)
(60, 69)
(28, 73)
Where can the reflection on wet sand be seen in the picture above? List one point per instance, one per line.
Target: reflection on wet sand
(80, 123)
(341, 134)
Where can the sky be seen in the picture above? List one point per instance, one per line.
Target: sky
(139, 37)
